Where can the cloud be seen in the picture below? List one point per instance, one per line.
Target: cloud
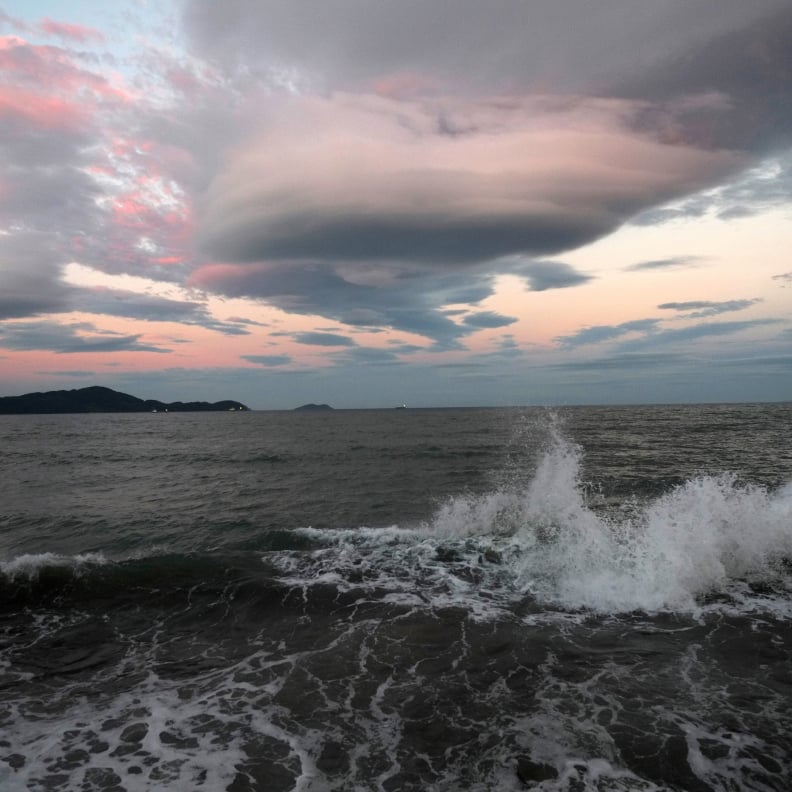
(243, 321)
(50, 203)
(368, 356)
(696, 332)
(624, 362)
(368, 211)
(403, 44)
(412, 301)
(268, 360)
(758, 362)
(702, 308)
(70, 373)
(323, 339)
(669, 263)
(765, 187)
(784, 278)
(362, 178)
(755, 89)
(377, 164)
(600, 333)
(488, 319)
(69, 338)
(650, 334)
(118, 302)
(80, 34)
(83, 159)
(30, 281)
(544, 275)
(506, 348)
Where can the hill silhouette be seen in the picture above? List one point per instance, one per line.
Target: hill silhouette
(99, 399)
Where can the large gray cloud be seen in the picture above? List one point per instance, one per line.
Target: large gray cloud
(502, 46)
(30, 278)
(750, 68)
(426, 138)
(363, 179)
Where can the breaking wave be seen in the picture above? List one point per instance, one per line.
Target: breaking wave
(709, 536)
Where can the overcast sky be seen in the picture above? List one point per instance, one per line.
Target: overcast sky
(403, 201)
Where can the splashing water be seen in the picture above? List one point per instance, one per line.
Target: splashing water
(687, 543)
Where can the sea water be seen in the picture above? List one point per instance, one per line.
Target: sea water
(492, 599)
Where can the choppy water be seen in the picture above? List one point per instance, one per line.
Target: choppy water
(591, 599)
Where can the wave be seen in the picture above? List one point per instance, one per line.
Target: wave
(47, 579)
(666, 553)
(551, 541)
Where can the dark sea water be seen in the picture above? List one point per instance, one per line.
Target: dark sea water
(494, 599)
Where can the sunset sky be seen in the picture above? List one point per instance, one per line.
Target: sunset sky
(377, 202)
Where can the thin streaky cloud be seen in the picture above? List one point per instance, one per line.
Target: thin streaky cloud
(323, 339)
(677, 262)
(268, 360)
(71, 338)
(703, 308)
(696, 332)
(600, 333)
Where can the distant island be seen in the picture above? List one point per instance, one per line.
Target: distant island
(312, 407)
(97, 399)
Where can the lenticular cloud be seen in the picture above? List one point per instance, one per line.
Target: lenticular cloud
(455, 181)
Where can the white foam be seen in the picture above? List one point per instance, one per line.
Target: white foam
(692, 541)
(30, 565)
(707, 536)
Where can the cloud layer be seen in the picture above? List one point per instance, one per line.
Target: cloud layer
(370, 172)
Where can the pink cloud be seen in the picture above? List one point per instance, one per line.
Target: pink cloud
(42, 112)
(149, 213)
(11, 41)
(53, 69)
(126, 184)
(207, 275)
(82, 34)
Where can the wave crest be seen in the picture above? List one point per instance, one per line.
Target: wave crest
(665, 553)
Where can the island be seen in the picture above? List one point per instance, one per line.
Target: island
(97, 399)
(312, 408)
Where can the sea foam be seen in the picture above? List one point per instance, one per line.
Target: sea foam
(30, 565)
(664, 553)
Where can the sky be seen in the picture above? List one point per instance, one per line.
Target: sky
(413, 202)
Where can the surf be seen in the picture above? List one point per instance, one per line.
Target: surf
(551, 539)
(666, 552)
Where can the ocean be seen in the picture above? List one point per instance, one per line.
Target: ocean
(464, 599)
